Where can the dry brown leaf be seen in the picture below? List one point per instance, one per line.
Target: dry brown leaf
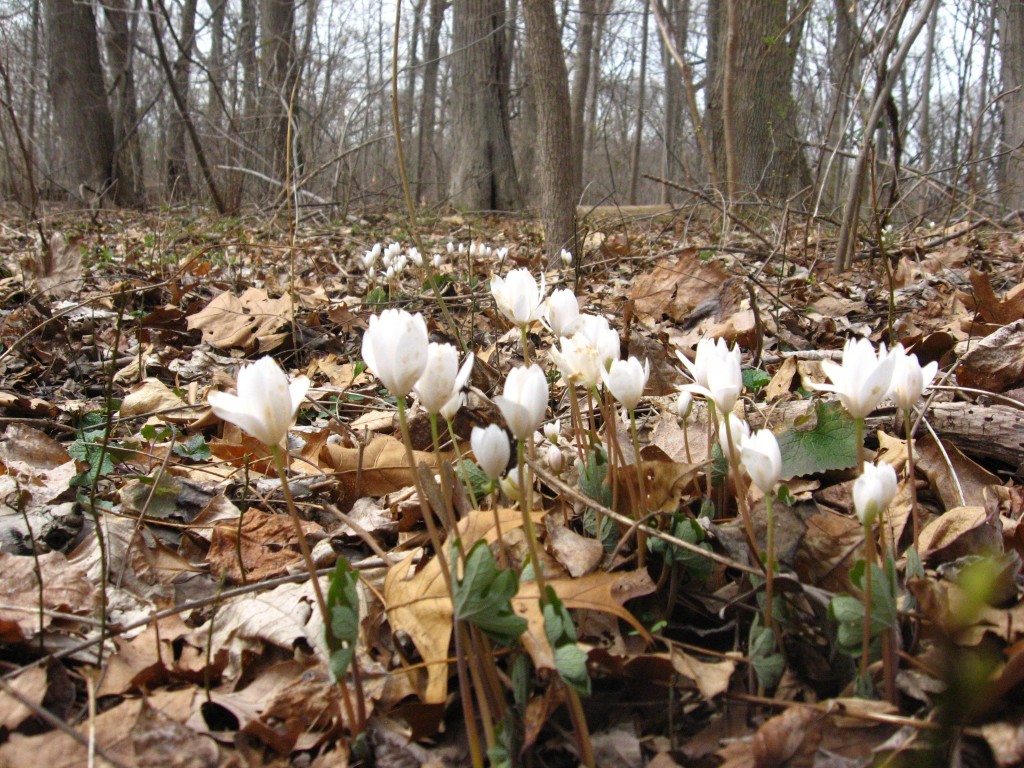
(268, 546)
(970, 478)
(67, 588)
(959, 532)
(1006, 740)
(58, 269)
(32, 685)
(996, 363)
(782, 382)
(828, 550)
(378, 469)
(249, 322)
(160, 741)
(990, 308)
(418, 604)
(113, 730)
(17, 405)
(579, 555)
(678, 287)
(154, 397)
(780, 738)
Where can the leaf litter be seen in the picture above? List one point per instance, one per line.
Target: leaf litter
(212, 651)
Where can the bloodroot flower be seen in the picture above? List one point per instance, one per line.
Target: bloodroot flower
(266, 402)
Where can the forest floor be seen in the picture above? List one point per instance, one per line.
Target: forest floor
(211, 649)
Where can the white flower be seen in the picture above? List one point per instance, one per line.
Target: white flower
(491, 447)
(626, 380)
(562, 312)
(709, 352)
(438, 260)
(395, 349)
(600, 334)
(415, 257)
(739, 430)
(578, 360)
(716, 372)
(442, 379)
(266, 403)
(553, 431)
(684, 404)
(566, 258)
(518, 296)
(873, 491)
(909, 379)
(524, 400)
(761, 458)
(862, 380)
(555, 458)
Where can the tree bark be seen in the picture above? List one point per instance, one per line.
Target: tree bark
(425, 166)
(581, 86)
(763, 40)
(483, 172)
(554, 137)
(127, 147)
(84, 123)
(179, 181)
(277, 22)
(638, 134)
(1011, 32)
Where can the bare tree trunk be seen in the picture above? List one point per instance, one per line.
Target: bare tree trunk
(926, 107)
(277, 22)
(216, 108)
(974, 158)
(1011, 30)
(551, 91)
(127, 147)
(638, 135)
(752, 51)
(84, 124)
(250, 74)
(674, 23)
(483, 174)
(428, 104)
(590, 127)
(179, 181)
(581, 86)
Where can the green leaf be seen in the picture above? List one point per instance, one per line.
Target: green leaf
(483, 596)
(343, 607)
(194, 448)
(755, 379)
(690, 531)
(767, 662)
(848, 611)
(831, 443)
(479, 482)
(570, 660)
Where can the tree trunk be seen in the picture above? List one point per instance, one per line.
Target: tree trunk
(483, 174)
(127, 147)
(677, 18)
(638, 135)
(179, 182)
(926, 109)
(84, 124)
(1011, 31)
(767, 156)
(551, 91)
(277, 22)
(590, 127)
(581, 85)
(428, 104)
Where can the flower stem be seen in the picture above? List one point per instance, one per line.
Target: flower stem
(435, 537)
(769, 585)
(572, 697)
(307, 556)
(908, 429)
(741, 490)
(526, 345)
(641, 538)
(860, 445)
(869, 559)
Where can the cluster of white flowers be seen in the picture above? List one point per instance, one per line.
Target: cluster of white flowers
(396, 349)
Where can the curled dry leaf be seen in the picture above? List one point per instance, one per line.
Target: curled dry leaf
(250, 322)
